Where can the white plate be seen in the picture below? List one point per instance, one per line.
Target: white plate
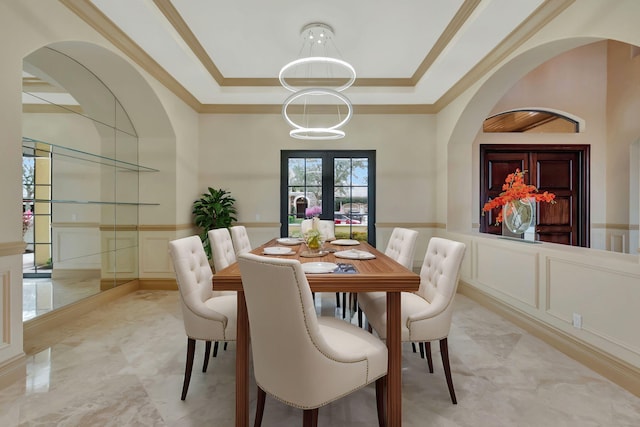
(345, 242)
(319, 267)
(276, 250)
(354, 254)
(290, 241)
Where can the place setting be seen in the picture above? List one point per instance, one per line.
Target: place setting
(278, 250)
(354, 254)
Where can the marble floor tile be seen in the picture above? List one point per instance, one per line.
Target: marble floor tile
(123, 365)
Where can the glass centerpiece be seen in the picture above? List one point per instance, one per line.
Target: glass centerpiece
(313, 237)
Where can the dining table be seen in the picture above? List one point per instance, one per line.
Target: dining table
(367, 273)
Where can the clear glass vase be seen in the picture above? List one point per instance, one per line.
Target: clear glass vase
(517, 216)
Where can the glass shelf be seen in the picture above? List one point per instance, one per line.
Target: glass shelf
(89, 202)
(58, 150)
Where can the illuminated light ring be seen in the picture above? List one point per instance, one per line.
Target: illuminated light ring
(316, 91)
(320, 59)
(316, 133)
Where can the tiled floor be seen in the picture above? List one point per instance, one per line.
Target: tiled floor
(123, 365)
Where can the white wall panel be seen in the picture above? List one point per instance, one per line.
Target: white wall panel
(510, 269)
(606, 299)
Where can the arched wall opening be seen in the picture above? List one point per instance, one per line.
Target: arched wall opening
(129, 135)
(462, 172)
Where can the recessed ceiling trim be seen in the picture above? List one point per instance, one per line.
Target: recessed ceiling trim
(545, 13)
(103, 25)
(357, 109)
(445, 38)
(174, 17)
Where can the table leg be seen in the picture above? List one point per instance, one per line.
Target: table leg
(242, 364)
(394, 374)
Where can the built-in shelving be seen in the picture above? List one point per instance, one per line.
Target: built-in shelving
(46, 148)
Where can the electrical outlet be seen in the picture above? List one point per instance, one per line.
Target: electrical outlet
(577, 320)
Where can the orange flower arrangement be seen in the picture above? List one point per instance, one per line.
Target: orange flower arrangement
(514, 188)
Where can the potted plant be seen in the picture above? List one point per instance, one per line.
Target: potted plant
(214, 209)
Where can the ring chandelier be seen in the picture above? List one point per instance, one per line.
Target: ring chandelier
(316, 66)
(317, 133)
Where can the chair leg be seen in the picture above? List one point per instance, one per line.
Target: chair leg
(207, 352)
(215, 349)
(225, 345)
(260, 407)
(444, 352)
(191, 350)
(310, 418)
(344, 305)
(359, 317)
(381, 384)
(421, 345)
(413, 346)
(338, 299)
(429, 359)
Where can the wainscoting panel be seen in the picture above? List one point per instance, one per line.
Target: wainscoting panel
(76, 248)
(155, 258)
(511, 269)
(597, 294)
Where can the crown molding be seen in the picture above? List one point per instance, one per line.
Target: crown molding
(545, 13)
(103, 25)
(86, 11)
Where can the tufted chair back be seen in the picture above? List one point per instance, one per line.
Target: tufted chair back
(402, 245)
(193, 275)
(240, 238)
(222, 250)
(438, 284)
(207, 315)
(325, 226)
(300, 359)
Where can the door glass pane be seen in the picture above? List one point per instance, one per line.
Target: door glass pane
(351, 202)
(304, 191)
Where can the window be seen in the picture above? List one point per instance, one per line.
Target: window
(334, 185)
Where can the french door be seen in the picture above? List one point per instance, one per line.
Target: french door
(336, 185)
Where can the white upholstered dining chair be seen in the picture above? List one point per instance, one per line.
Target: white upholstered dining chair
(400, 247)
(222, 250)
(426, 314)
(207, 315)
(240, 239)
(310, 361)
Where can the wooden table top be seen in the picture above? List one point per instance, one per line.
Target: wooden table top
(379, 274)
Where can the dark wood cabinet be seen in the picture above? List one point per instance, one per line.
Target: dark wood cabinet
(560, 169)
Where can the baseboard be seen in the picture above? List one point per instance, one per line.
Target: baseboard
(13, 370)
(36, 332)
(158, 284)
(75, 273)
(620, 372)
